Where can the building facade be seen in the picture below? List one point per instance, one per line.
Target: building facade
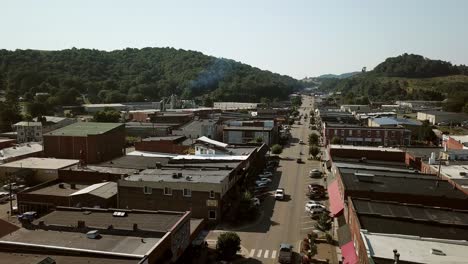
(28, 131)
(367, 136)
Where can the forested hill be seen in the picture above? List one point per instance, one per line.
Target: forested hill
(406, 77)
(135, 75)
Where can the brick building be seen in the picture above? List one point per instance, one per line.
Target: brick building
(367, 136)
(44, 197)
(202, 184)
(169, 144)
(386, 217)
(456, 142)
(102, 236)
(90, 142)
(89, 174)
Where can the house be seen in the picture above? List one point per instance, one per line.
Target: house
(119, 236)
(90, 142)
(28, 131)
(207, 146)
(200, 127)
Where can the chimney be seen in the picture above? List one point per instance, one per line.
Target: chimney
(81, 224)
(135, 227)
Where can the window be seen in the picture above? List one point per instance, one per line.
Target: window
(393, 133)
(342, 132)
(377, 133)
(147, 190)
(212, 194)
(211, 214)
(336, 132)
(368, 133)
(359, 133)
(187, 193)
(167, 191)
(350, 132)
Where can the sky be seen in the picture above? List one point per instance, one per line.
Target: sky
(295, 37)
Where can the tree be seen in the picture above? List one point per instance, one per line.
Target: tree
(336, 140)
(324, 222)
(247, 209)
(259, 139)
(276, 149)
(227, 245)
(313, 139)
(107, 116)
(314, 151)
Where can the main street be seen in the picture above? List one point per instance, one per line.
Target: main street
(283, 221)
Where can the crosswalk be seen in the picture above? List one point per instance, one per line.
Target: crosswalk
(260, 253)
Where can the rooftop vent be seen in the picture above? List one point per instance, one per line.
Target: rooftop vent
(174, 175)
(61, 185)
(93, 234)
(188, 178)
(363, 159)
(119, 214)
(463, 173)
(179, 175)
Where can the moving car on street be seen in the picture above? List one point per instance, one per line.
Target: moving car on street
(285, 253)
(279, 194)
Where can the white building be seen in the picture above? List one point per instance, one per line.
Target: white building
(28, 131)
(234, 106)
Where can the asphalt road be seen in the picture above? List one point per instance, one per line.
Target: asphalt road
(282, 221)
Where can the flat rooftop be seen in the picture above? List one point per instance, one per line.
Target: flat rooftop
(134, 162)
(41, 163)
(159, 221)
(166, 175)
(423, 152)
(249, 128)
(102, 169)
(37, 257)
(168, 138)
(406, 183)
(415, 220)
(55, 190)
(333, 146)
(107, 243)
(83, 129)
(414, 249)
(20, 150)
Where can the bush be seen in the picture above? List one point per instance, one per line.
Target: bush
(314, 151)
(329, 238)
(324, 222)
(227, 245)
(276, 149)
(313, 139)
(336, 140)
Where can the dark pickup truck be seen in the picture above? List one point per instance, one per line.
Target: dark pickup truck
(285, 253)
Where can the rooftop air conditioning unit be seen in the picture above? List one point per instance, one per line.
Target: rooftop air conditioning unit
(61, 185)
(174, 175)
(188, 178)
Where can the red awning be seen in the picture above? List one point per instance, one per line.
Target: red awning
(349, 253)
(336, 204)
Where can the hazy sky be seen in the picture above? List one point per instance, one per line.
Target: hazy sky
(298, 38)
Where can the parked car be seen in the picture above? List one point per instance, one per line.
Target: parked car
(315, 173)
(285, 253)
(317, 210)
(315, 207)
(316, 195)
(310, 203)
(263, 180)
(265, 175)
(256, 201)
(301, 142)
(315, 188)
(279, 194)
(260, 184)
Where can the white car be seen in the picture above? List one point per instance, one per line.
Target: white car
(260, 184)
(265, 175)
(279, 194)
(313, 205)
(255, 201)
(318, 208)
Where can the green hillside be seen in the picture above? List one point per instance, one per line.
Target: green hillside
(395, 79)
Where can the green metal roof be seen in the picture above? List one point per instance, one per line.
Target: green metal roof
(82, 129)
